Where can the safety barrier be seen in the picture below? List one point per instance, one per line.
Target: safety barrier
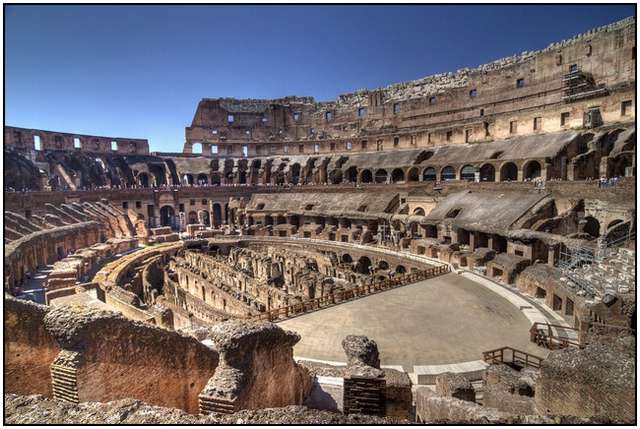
(282, 313)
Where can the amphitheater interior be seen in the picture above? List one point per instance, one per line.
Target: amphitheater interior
(455, 249)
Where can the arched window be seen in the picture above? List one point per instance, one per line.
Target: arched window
(592, 226)
(487, 173)
(429, 174)
(532, 170)
(381, 176)
(468, 173)
(508, 172)
(448, 173)
(366, 176)
(413, 175)
(397, 175)
(196, 148)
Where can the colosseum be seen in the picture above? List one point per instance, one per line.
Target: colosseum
(455, 249)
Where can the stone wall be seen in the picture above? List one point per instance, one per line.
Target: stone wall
(29, 348)
(256, 369)
(599, 381)
(110, 357)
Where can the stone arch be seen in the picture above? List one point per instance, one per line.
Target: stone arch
(366, 176)
(187, 179)
(206, 220)
(363, 265)
(487, 173)
(508, 172)
(419, 211)
(592, 226)
(429, 175)
(447, 173)
(614, 223)
(196, 148)
(397, 175)
(383, 265)
(381, 176)
(351, 175)
(335, 177)
(401, 269)
(268, 220)
(192, 217)
(215, 179)
(167, 216)
(413, 175)
(346, 258)
(468, 173)
(217, 214)
(532, 170)
(203, 179)
(295, 173)
(620, 164)
(143, 180)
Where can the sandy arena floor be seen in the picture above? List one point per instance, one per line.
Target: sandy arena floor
(448, 319)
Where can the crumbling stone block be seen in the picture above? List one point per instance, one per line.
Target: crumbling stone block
(455, 386)
(256, 368)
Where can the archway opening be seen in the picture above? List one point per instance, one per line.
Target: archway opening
(429, 175)
(295, 173)
(203, 179)
(363, 266)
(335, 177)
(447, 173)
(217, 215)
(366, 176)
(351, 175)
(167, 216)
(468, 173)
(592, 226)
(397, 175)
(532, 170)
(487, 173)
(381, 176)
(143, 180)
(413, 175)
(509, 172)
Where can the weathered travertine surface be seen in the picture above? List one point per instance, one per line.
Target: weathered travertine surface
(120, 358)
(36, 409)
(597, 381)
(256, 367)
(29, 348)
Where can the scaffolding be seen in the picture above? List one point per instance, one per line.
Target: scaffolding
(578, 85)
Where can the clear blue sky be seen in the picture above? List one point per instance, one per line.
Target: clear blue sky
(139, 71)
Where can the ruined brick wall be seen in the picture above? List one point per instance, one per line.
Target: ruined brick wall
(596, 381)
(24, 139)
(257, 369)
(472, 105)
(29, 348)
(115, 358)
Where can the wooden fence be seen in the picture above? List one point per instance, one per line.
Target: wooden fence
(283, 313)
(514, 357)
